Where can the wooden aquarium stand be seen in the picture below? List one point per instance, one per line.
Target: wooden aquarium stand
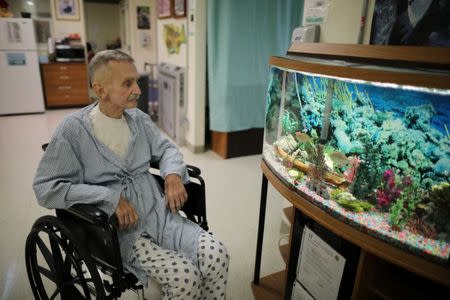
(383, 272)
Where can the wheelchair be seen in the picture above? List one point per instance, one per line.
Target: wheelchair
(76, 254)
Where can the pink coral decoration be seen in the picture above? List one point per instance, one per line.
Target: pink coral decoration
(350, 173)
(389, 192)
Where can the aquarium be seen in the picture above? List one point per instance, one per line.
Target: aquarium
(374, 154)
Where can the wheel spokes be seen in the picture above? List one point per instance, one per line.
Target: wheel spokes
(47, 273)
(78, 280)
(46, 253)
(57, 256)
(55, 293)
(71, 292)
(74, 274)
(56, 269)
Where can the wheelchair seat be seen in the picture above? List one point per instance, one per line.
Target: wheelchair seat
(65, 253)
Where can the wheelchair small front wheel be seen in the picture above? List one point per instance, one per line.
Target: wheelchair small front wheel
(56, 269)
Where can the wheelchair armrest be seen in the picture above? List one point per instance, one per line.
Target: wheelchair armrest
(193, 171)
(89, 213)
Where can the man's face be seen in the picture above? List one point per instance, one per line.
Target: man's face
(120, 86)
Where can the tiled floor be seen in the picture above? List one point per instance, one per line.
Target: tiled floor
(233, 188)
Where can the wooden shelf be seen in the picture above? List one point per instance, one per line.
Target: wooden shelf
(388, 289)
(379, 279)
(270, 287)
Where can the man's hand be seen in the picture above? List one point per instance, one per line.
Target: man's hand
(175, 192)
(126, 214)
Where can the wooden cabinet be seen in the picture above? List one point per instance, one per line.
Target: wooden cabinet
(65, 84)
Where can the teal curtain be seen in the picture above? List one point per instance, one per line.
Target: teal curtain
(242, 35)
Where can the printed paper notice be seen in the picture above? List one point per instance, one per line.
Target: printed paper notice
(299, 293)
(320, 267)
(315, 12)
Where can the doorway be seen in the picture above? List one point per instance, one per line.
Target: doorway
(102, 26)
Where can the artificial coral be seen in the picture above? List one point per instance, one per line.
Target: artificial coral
(389, 191)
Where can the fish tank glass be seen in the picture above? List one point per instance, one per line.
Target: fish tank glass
(374, 154)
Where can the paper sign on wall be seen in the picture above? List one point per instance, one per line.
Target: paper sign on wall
(320, 267)
(315, 12)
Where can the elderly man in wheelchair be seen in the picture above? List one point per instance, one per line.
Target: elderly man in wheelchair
(112, 214)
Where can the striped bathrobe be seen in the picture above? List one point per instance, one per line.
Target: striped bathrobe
(78, 168)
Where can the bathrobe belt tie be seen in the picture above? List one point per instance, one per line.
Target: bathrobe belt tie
(128, 182)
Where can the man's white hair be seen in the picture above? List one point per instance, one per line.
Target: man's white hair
(102, 58)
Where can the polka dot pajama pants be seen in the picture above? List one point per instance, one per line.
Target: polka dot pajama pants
(178, 276)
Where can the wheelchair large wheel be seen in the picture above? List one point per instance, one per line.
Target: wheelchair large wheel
(56, 269)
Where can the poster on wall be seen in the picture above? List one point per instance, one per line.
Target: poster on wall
(179, 8)
(67, 10)
(411, 22)
(164, 9)
(174, 37)
(143, 17)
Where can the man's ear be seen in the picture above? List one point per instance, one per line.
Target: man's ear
(99, 89)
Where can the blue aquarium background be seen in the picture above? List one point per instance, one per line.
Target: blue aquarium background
(382, 148)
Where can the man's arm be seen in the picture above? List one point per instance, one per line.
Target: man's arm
(175, 192)
(171, 166)
(59, 182)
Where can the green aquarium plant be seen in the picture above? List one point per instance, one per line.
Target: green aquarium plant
(295, 174)
(369, 172)
(334, 193)
(440, 195)
(289, 122)
(356, 205)
(348, 201)
(405, 206)
(438, 207)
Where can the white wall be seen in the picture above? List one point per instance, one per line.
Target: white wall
(192, 56)
(343, 22)
(138, 51)
(196, 75)
(102, 24)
